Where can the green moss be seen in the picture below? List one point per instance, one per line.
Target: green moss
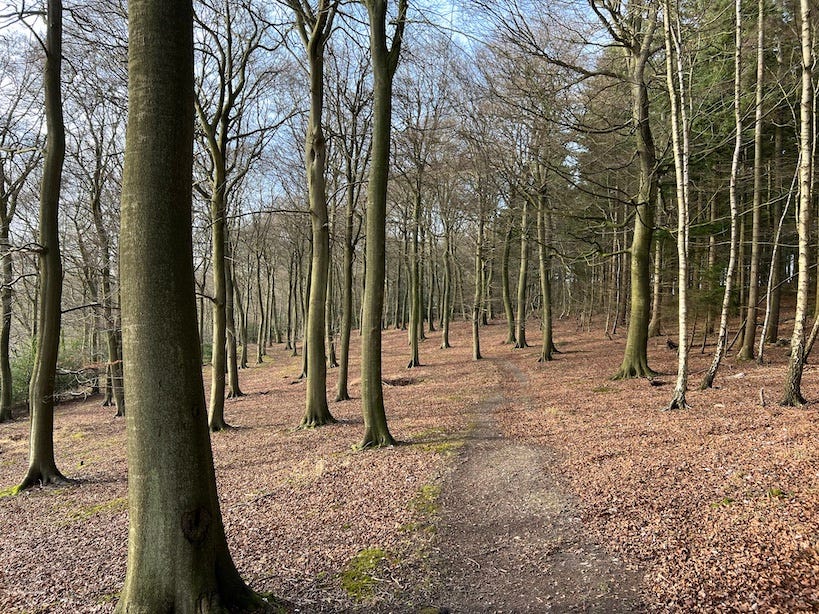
(108, 598)
(601, 389)
(777, 493)
(425, 501)
(9, 492)
(724, 502)
(357, 579)
(114, 505)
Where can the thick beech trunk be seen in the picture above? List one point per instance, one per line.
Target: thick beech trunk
(178, 559)
(635, 357)
(384, 63)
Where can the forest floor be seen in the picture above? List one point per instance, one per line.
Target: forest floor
(518, 486)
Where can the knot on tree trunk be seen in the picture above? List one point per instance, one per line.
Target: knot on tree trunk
(195, 525)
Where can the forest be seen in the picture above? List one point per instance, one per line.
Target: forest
(408, 306)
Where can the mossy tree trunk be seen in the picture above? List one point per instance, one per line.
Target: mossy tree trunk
(384, 58)
(42, 468)
(635, 356)
(178, 558)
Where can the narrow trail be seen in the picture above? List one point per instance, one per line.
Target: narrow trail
(509, 536)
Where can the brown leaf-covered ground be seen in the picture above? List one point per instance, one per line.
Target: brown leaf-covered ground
(713, 508)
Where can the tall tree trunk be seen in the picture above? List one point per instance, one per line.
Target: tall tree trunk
(329, 301)
(477, 301)
(273, 311)
(446, 294)
(507, 295)
(415, 282)
(384, 63)
(432, 281)
(635, 356)
(775, 278)
(218, 362)
(314, 35)
(291, 333)
(5, 328)
(793, 382)
(178, 559)
(746, 352)
(106, 297)
(342, 394)
(680, 146)
(545, 266)
(233, 389)
(42, 468)
(657, 294)
(260, 334)
(722, 335)
(523, 274)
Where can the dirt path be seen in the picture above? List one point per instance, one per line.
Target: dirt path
(510, 539)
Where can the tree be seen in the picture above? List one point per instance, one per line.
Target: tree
(634, 29)
(384, 58)
(42, 468)
(226, 89)
(314, 25)
(746, 352)
(722, 335)
(178, 559)
(793, 381)
(351, 105)
(680, 144)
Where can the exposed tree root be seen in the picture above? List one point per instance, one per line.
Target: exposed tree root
(631, 370)
(42, 477)
(312, 422)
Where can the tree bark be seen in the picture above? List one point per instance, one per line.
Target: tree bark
(746, 352)
(507, 295)
(523, 274)
(415, 281)
(178, 559)
(635, 357)
(722, 335)
(42, 468)
(793, 382)
(545, 266)
(384, 63)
